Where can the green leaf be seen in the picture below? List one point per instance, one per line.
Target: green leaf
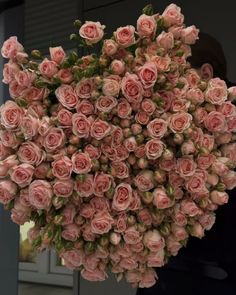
(148, 9)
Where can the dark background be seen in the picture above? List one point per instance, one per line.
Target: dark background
(43, 23)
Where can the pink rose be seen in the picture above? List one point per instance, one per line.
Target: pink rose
(34, 94)
(145, 216)
(63, 188)
(130, 143)
(200, 115)
(54, 139)
(179, 122)
(231, 123)
(215, 122)
(101, 223)
(30, 153)
(100, 129)
(22, 174)
(105, 103)
(144, 180)
(193, 78)
(4, 151)
(40, 194)
(9, 138)
(219, 198)
(157, 128)
(81, 163)
(172, 15)
(148, 278)
(16, 90)
(10, 69)
(179, 232)
(148, 74)
(87, 211)
(84, 88)
(117, 66)
(132, 88)
(62, 168)
(189, 208)
(154, 149)
(204, 161)
(92, 32)
(68, 214)
(156, 259)
(124, 109)
(146, 25)
(115, 238)
(173, 245)
(180, 104)
(95, 275)
(110, 87)
(229, 180)
(228, 150)
(160, 199)
(208, 142)
(85, 187)
(65, 75)
(25, 78)
(11, 47)
(8, 191)
(66, 96)
(100, 204)
(20, 213)
(64, 117)
(153, 240)
(120, 170)
(165, 40)
(125, 36)
(132, 236)
(189, 35)
(29, 126)
(110, 47)
(71, 232)
(128, 263)
(85, 107)
(121, 223)
(162, 63)
(217, 94)
(48, 68)
(11, 115)
(102, 183)
(57, 54)
(122, 197)
(80, 125)
(207, 220)
(148, 106)
(186, 167)
(196, 184)
(227, 109)
(73, 258)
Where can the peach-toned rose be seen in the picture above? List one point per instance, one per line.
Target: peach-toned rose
(29, 126)
(124, 36)
(25, 78)
(189, 35)
(160, 199)
(186, 166)
(172, 15)
(216, 95)
(165, 40)
(54, 139)
(63, 188)
(57, 54)
(70, 232)
(110, 47)
(156, 259)
(110, 87)
(95, 275)
(22, 174)
(145, 216)
(122, 197)
(8, 191)
(11, 47)
(196, 184)
(157, 128)
(102, 183)
(80, 125)
(132, 88)
(101, 223)
(120, 170)
(229, 180)
(106, 103)
(162, 62)
(132, 236)
(148, 74)
(227, 109)
(148, 278)
(48, 68)
(10, 69)
(81, 163)
(117, 66)
(179, 122)
(92, 151)
(11, 115)
(30, 153)
(146, 25)
(204, 161)
(154, 149)
(68, 214)
(62, 168)
(84, 88)
(144, 180)
(64, 117)
(85, 107)
(100, 129)
(219, 198)
(73, 258)
(65, 75)
(190, 208)
(66, 96)
(153, 240)
(92, 32)
(40, 194)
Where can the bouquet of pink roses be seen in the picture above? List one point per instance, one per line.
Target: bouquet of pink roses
(117, 157)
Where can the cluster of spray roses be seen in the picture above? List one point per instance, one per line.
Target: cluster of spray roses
(119, 157)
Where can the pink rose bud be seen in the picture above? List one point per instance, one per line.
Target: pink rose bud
(57, 54)
(115, 238)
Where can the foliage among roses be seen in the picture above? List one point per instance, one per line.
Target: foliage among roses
(118, 157)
